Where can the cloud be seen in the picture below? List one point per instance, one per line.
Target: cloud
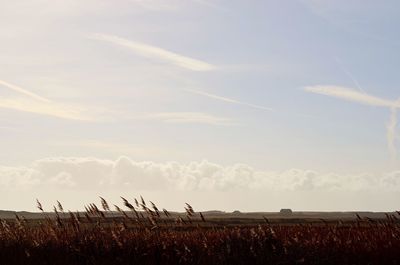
(172, 117)
(366, 99)
(125, 174)
(40, 105)
(353, 18)
(349, 74)
(17, 177)
(11, 128)
(187, 117)
(156, 53)
(37, 104)
(45, 108)
(24, 91)
(212, 5)
(78, 113)
(170, 5)
(391, 132)
(157, 5)
(352, 95)
(228, 100)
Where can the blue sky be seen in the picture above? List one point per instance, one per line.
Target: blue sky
(258, 88)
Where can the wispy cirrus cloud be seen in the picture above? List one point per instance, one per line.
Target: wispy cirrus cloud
(391, 132)
(213, 5)
(347, 17)
(78, 113)
(228, 100)
(352, 95)
(174, 5)
(349, 74)
(23, 91)
(366, 99)
(154, 52)
(187, 117)
(45, 108)
(37, 104)
(156, 5)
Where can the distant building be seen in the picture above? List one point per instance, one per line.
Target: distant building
(286, 211)
(236, 212)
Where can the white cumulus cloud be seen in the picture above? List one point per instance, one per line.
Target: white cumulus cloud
(124, 173)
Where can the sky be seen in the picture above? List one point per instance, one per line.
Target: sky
(229, 105)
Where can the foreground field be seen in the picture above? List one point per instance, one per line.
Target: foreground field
(145, 235)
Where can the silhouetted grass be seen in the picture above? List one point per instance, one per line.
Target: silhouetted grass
(146, 235)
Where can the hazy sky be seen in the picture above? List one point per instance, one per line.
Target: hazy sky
(249, 105)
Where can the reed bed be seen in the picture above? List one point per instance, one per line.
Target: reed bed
(140, 233)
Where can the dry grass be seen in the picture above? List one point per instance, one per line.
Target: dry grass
(145, 235)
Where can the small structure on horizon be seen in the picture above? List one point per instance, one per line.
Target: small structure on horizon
(286, 211)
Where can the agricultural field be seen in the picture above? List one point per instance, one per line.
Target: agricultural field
(140, 233)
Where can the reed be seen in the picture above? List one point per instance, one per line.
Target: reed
(146, 235)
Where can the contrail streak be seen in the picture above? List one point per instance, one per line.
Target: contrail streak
(47, 109)
(229, 100)
(391, 132)
(156, 52)
(24, 91)
(350, 75)
(363, 98)
(39, 105)
(352, 95)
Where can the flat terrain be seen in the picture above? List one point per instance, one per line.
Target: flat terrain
(227, 218)
(146, 236)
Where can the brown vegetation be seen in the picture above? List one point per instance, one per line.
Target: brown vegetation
(145, 235)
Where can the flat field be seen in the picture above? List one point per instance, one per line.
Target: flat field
(146, 235)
